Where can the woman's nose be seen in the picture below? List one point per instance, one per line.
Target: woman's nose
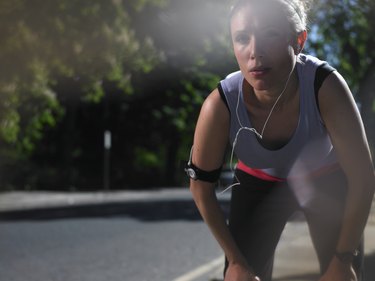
(255, 47)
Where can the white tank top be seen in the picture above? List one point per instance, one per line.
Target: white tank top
(310, 148)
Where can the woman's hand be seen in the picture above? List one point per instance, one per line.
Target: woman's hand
(339, 271)
(237, 272)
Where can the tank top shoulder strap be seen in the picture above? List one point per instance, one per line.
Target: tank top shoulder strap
(229, 88)
(321, 74)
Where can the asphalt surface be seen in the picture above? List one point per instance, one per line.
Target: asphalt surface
(294, 245)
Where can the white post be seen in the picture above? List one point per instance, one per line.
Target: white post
(107, 149)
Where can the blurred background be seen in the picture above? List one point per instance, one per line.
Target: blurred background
(101, 94)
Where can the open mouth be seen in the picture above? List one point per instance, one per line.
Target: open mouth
(259, 71)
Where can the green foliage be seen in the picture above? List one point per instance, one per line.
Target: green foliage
(145, 158)
(90, 41)
(343, 35)
(44, 44)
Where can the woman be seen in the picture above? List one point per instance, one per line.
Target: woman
(300, 142)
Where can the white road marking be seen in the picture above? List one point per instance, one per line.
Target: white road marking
(201, 270)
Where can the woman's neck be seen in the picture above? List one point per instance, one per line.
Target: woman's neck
(265, 99)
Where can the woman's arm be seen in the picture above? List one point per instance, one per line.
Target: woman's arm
(210, 141)
(344, 124)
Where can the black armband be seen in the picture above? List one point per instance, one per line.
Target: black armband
(195, 173)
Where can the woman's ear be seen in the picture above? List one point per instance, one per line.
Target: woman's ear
(301, 39)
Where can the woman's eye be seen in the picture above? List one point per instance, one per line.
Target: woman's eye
(242, 38)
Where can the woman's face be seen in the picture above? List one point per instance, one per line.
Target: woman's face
(263, 47)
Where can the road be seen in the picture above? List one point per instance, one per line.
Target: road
(156, 236)
(144, 241)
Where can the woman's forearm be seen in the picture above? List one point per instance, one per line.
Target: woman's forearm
(358, 204)
(211, 212)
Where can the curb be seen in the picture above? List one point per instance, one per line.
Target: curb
(170, 203)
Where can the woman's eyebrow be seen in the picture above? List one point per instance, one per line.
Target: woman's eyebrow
(246, 29)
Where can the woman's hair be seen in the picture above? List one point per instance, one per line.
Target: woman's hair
(295, 11)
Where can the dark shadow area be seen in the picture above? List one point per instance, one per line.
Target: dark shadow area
(161, 210)
(369, 274)
(304, 277)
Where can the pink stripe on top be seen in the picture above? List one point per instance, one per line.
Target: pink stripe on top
(260, 174)
(257, 173)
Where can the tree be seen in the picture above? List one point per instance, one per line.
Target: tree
(343, 34)
(195, 41)
(47, 43)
